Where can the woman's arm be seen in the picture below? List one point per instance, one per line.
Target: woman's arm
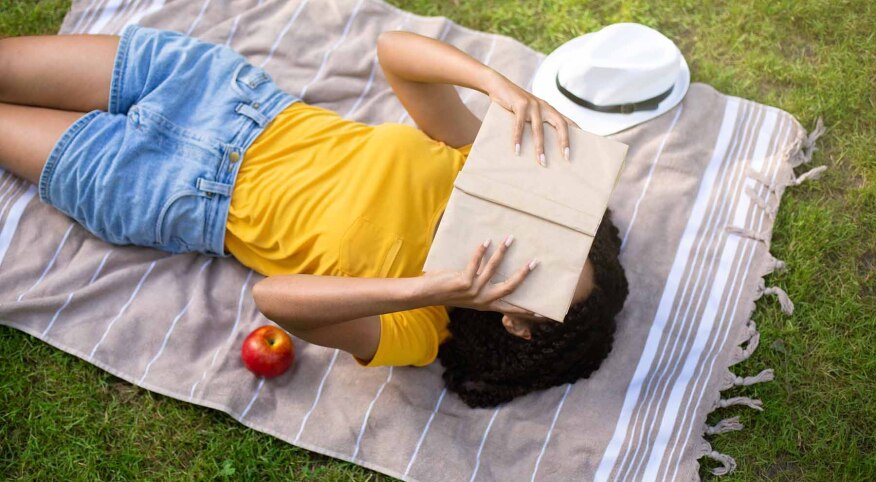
(305, 302)
(334, 311)
(422, 72)
(344, 312)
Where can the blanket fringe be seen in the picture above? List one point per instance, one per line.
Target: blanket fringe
(747, 401)
(773, 264)
(801, 152)
(761, 202)
(731, 380)
(728, 463)
(807, 144)
(741, 354)
(762, 236)
(803, 148)
(749, 332)
(813, 173)
(727, 425)
(784, 299)
(771, 186)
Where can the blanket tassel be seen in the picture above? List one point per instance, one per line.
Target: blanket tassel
(727, 425)
(784, 299)
(813, 174)
(728, 464)
(731, 380)
(805, 148)
(762, 236)
(742, 354)
(808, 147)
(762, 178)
(761, 202)
(774, 264)
(750, 331)
(747, 401)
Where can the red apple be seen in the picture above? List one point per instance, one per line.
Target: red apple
(267, 351)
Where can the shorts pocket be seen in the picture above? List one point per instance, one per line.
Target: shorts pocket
(368, 249)
(246, 79)
(181, 224)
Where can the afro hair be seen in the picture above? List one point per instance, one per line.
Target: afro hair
(486, 365)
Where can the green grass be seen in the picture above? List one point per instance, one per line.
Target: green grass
(61, 418)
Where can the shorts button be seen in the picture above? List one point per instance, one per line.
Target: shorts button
(256, 105)
(234, 156)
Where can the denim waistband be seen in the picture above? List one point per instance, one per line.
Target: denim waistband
(261, 113)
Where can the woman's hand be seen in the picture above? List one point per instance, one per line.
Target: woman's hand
(529, 108)
(471, 288)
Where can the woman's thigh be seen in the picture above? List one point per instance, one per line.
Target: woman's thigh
(27, 136)
(68, 72)
(155, 165)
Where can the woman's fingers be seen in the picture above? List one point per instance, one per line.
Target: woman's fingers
(563, 132)
(528, 108)
(493, 264)
(520, 124)
(538, 134)
(494, 292)
(473, 265)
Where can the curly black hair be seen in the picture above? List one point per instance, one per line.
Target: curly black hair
(486, 365)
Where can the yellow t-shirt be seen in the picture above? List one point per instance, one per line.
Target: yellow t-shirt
(321, 194)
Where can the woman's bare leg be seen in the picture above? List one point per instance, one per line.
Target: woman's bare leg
(68, 72)
(27, 136)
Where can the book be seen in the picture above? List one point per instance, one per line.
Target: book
(553, 211)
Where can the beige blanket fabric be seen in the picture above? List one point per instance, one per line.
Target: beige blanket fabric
(695, 206)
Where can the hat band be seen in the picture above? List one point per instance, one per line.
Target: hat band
(647, 104)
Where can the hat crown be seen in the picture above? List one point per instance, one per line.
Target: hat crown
(622, 63)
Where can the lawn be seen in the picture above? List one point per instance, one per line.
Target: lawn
(63, 419)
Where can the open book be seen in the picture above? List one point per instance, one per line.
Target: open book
(553, 212)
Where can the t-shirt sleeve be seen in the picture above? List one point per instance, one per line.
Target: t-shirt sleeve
(466, 149)
(409, 337)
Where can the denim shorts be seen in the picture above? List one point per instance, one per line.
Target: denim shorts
(158, 168)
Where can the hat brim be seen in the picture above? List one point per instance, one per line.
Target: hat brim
(601, 123)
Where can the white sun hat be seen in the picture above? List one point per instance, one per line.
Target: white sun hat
(613, 79)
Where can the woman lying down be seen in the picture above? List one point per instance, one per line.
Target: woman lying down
(157, 139)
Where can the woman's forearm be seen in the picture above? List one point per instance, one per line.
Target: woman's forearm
(303, 301)
(423, 59)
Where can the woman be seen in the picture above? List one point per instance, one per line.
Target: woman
(162, 140)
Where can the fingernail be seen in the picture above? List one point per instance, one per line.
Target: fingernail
(487, 242)
(517, 148)
(566, 153)
(509, 240)
(533, 264)
(541, 159)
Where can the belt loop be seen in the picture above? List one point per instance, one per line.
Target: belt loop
(253, 114)
(214, 187)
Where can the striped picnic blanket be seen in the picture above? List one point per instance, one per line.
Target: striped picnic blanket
(695, 206)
